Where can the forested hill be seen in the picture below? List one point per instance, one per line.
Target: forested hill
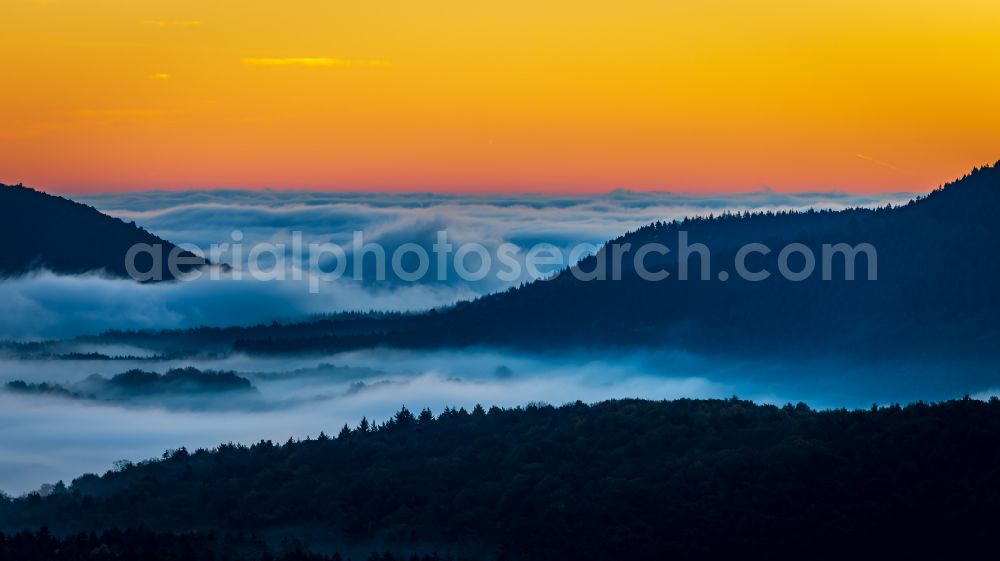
(687, 479)
(935, 292)
(936, 285)
(41, 231)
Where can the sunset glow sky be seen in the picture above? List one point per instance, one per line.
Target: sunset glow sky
(497, 95)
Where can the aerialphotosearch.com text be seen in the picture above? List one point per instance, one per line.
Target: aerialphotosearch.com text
(444, 261)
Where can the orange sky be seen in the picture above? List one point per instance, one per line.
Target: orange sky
(497, 95)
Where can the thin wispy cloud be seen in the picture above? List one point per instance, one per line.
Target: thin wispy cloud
(881, 163)
(311, 62)
(33, 130)
(127, 113)
(165, 23)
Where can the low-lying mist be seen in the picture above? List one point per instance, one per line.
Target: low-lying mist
(46, 305)
(46, 438)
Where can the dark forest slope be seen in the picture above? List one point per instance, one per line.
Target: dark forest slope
(934, 293)
(936, 285)
(616, 480)
(41, 231)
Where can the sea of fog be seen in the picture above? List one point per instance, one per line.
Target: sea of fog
(45, 305)
(45, 439)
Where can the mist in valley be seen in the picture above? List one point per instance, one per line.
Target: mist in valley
(47, 438)
(88, 423)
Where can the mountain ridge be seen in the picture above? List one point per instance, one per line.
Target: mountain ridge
(934, 293)
(40, 231)
(630, 479)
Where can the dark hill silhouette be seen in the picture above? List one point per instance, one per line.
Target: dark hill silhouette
(41, 231)
(935, 293)
(140, 384)
(137, 544)
(937, 278)
(687, 479)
